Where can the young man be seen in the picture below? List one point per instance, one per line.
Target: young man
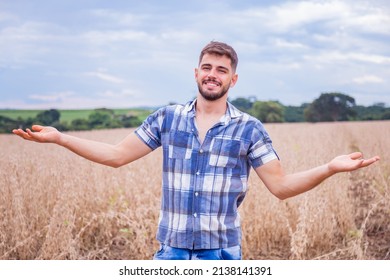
(209, 148)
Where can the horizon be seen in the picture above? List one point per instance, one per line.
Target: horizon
(146, 107)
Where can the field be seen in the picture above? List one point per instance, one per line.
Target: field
(56, 205)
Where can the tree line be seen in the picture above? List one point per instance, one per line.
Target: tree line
(102, 118)
(328, 107)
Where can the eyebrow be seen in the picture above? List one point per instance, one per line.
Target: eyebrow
(218, 67)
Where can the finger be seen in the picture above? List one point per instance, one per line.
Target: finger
(367, 162)
(37, 127)
(356, 155)
(33, 135)
(21, 133)
(16, 131)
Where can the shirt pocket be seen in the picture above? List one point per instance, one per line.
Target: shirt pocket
(224, 152)
(180, 145)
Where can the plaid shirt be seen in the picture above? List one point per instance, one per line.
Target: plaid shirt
(203, 184)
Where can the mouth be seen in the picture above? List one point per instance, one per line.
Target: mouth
(211, 83)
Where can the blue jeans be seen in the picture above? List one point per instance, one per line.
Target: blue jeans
(170, 253)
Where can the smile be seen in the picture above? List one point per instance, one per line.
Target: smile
(211, 83)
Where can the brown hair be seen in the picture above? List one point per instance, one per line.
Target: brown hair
(221, 49)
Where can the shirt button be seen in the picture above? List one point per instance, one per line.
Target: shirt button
(201, 151)
(196, 194)
(195, 215)
(197, 173)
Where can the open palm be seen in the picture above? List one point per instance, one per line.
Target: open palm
(350, 162)
(38, 133)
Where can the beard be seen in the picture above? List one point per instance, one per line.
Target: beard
(210, 96)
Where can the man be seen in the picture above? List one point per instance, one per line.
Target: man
(209, 148)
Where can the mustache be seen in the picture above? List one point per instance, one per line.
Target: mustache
(211, 80)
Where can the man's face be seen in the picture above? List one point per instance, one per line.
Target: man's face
(214, 76)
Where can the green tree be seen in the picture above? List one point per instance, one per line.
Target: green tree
(129, 120)
(376, 111)
(103, 118)
(295, 113)
(7, 124)
(79, 124)
(331, 107)
(386, 115)
(48, 117)
(244, 104)
(268, 111)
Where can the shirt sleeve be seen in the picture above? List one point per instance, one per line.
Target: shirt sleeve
(150, 130)
(261, 150)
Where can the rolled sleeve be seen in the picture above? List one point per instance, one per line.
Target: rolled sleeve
(262, 150)
(150, 130)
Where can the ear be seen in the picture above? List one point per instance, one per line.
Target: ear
(234, 80)
(196, 73)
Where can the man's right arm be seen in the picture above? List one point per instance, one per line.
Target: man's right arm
(129, 149)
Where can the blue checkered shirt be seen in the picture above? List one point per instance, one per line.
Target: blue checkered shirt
(203, 184)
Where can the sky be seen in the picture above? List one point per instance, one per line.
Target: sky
(79, 54)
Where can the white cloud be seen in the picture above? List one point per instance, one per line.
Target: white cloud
(153, 51)
(370, 58)
(105, 77)
(52, 97)
(284, 44)
(71, 100)
(5, 17)
(368, 79)
(112, 36)
(330, 57)
(117, 17)
(293, 15)
(117, 94)
(367, 18)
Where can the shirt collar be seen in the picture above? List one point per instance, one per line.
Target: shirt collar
(231, 112)
(190, 106)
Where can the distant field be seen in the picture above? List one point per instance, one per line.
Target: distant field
(69, 115)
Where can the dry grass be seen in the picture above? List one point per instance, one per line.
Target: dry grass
(56, 205)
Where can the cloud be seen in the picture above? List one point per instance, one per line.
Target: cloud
(284, 44)
(368, 18)
(105, 77)
(72, 100)
(150, 49)
(335, 56)
(53, 97)
(117, 94)
(6, 17)
(368, 79)
(291, 16)
(112, 36)
(118, 18)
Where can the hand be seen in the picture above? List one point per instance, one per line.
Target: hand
(41, 134)
(350, 162)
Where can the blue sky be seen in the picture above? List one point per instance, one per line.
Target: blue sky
(116, 54)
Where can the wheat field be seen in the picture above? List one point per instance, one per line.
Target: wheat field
(56, 205)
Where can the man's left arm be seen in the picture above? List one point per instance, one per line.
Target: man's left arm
(288, 185)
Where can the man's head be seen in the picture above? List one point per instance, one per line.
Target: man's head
(220, 49)
(216, 71)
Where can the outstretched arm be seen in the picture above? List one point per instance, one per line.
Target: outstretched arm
(284, 186)
(128, 150)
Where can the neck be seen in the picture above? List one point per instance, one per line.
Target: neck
(206, 107)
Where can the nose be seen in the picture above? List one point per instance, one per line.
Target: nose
(211, 73)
